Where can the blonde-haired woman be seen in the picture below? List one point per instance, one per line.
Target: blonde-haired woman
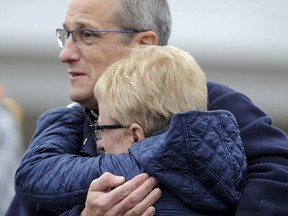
(152, 104)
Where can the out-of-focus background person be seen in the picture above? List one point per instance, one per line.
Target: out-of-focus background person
(11, 146)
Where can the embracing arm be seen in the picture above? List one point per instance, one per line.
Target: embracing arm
(52, 174)
(266, 149)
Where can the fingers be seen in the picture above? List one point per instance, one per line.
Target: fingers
(145, 206)
(106, 182)
(98, 200)
(149, 212)
(134, 197)
(139, 200)
(115, 201)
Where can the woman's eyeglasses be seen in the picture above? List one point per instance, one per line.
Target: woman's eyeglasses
(99, 128)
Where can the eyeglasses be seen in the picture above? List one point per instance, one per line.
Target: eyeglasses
(99, 129)
(85, 37)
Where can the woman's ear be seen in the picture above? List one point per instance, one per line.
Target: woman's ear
(137, 132)
(146, 38)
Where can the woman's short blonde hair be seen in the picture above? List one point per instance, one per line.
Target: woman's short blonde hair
(150, 85)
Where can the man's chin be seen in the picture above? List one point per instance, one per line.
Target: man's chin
(88, 102)
(76, 98)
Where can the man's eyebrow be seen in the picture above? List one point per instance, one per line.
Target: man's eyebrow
(79, 26)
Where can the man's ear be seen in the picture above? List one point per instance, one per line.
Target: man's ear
(146, 38)
(137, 132)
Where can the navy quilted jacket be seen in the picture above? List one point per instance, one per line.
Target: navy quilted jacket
(199, 158)
(266, 148)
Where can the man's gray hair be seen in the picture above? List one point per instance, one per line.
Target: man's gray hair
(153, 15)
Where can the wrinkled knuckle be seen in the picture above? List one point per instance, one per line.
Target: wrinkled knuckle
(133, 199)
(98, 207)
(124, 194)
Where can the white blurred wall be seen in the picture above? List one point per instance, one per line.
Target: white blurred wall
(241, 43)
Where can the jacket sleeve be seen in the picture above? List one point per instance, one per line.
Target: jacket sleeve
(200, 157)
(52, 174)
(266, 149)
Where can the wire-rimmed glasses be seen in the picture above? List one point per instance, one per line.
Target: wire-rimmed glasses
(86, 37)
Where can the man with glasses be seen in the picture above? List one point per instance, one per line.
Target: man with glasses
(91, 42)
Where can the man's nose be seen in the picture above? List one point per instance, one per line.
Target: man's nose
(70, 52)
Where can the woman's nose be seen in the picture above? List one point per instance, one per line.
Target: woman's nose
(100, 148)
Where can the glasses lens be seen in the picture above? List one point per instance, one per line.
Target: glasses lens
(98, 134)
(84, 38)
(61, 35)
(88, 37)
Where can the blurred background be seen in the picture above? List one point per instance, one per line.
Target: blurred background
(240, 43)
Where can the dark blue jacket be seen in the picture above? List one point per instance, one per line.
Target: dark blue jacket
(266, 148)
(199, 157)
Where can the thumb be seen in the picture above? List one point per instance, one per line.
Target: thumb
(106, 181)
